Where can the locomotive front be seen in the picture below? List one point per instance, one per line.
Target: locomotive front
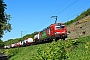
(60, 31)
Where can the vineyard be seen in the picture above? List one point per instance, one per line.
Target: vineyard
(76, 49)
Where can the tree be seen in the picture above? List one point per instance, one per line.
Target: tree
(1, 44)
(5, 26)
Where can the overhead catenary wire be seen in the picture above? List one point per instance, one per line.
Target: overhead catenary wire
(76, 10)
(23, 33)
(63, 9)
(61, 12)
(53, 13)
(60, 7)
(67, 7)
(78, 13)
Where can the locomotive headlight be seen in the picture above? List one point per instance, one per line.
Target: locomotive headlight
(63, 32)
(57, 33)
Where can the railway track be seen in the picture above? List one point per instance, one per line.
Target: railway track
(3, 56)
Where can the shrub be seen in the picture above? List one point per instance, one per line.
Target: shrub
(53, 51)
(12, 52)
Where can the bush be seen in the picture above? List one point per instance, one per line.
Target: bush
(53, 51)
(12, 52)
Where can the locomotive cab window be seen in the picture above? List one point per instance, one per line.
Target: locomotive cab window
(59, 27)
(62, 26)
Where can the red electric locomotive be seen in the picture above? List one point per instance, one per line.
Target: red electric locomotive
(54, 31)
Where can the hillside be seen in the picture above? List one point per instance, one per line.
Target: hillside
(76, 49)
(79, 28)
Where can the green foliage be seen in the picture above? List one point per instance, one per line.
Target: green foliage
(72, 49)
(27, 53)
(5, 26)
(74, 42)
(82, 51)
(82, 15)
(29, 35)
(1, 44)
(53, 51)
(11, 52)
(11, 41)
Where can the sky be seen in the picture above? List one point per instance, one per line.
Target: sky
(29, 16)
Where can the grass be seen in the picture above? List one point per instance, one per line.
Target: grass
(82, 51)
(77, 49)
(27, 53)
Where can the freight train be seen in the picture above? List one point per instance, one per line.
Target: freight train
(54, 31)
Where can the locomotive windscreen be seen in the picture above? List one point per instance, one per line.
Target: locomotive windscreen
(59, 26)
(62, 26)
